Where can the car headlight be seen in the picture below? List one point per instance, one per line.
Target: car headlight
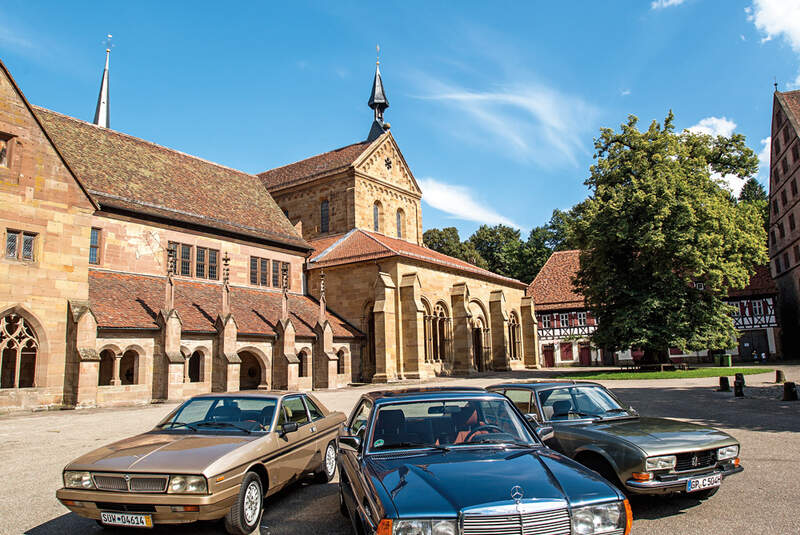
(728, 452)
(424, 527)
(78, 480)
(665, 462)
(187, 485)
(596, 519)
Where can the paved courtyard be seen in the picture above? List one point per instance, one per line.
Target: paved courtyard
(762, 499)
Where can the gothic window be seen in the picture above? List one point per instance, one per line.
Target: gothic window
(94, 246)
(400, 222)
(795, 153)
(784, 166)
(259, 271)
(775, 206)
(106, 371)
(438, 327)
(4, 142)
(777, 144)
(783, 197)
(785, 260)
(781, 231)
(20, 245)
(797, 253)
(792, 223)
(324, 216)
(303, 368)
(129, 368)
(786, 135)
(19, 347)
(206, 263)
(376, 216)
(794, 187)
(195, 367)
(514, 338)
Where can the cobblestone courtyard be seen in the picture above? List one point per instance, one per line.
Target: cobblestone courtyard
(764, 496)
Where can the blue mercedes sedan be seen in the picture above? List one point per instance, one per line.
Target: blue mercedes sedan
(463, 461)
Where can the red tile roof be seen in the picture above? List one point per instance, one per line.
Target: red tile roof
(359, 245)
(124, 172)
(552, 288)
(791, 101)
(310, 168)
(761, 283)
(121, 300)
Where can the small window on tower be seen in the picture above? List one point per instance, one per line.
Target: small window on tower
(4, 149)
(783, 197)
(781, 230)
(786, 135)
(777, 146)
(792, 224)
(794, 187)
(775, 206)
(795, 153)
(94, 246)
(784, 166)
(785, 260)
(324, 216)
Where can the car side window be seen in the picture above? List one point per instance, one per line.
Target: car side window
(295, 410)
(358, 422)
(521, 399)
(313, 410)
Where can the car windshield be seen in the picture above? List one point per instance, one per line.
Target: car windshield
(579, 402)
(441, 424)
(223, 414)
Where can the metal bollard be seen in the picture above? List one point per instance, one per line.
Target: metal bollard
(779, 377)
(738, 388)
(789, 391)
(724, 385)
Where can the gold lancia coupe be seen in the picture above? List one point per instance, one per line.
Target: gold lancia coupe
(215, 456)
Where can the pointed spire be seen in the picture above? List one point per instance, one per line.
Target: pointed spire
(322, 304)
(378, 102)
(101, 114)
(226, 289)
(169, 297)
(285, 296)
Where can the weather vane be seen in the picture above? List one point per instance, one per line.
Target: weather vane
(377, 54)
(108, 42)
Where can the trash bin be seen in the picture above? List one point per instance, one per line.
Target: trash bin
(725, 361)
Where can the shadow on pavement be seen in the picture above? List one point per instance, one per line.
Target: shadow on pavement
(651, 507)
(301, 508)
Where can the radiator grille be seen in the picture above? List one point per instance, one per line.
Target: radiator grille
(540, 523)
(695, 460)
(131, 484)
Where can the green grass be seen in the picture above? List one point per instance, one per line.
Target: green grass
(677, 374)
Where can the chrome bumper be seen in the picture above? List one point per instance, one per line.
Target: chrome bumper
(678, 484)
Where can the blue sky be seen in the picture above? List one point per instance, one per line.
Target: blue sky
(494, 104)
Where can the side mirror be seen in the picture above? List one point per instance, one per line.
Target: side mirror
(289, 427)
(545, 432)
(350, 443)
(633, 411)
(532, 418)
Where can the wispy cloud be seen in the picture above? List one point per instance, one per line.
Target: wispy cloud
(528, 122)
(714, 126)
(460, 203)
(661, 4)
(625, 92)
(778, 19)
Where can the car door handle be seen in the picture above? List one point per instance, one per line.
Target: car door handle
(313, 429)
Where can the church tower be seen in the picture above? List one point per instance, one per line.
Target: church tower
(101, 113)
(367, 185)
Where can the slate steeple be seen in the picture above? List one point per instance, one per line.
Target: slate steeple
(101, 114)
(378, 102)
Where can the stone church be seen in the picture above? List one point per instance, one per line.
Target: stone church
(134, 273)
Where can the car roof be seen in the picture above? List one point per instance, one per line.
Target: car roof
(425, 393)
(543, 384)
(248, 394)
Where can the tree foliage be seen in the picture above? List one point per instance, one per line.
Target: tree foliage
(755, 194)
(655, 224)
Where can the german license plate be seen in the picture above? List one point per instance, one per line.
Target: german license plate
(706, 482)
(126, 519)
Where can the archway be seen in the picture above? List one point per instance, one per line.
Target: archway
(196, 367)
(340, 364)
(304, 368)
(106, 372)
(478, 344)
(19, 346)
(249, 371)
(129, 367)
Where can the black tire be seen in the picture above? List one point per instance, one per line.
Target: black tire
(604, 469)
(343, 506)
(327, 467)
(243, 519)
(703, 494)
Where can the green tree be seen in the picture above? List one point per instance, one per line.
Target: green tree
(500, 246)
(753, 192)
(446, 241)
(470, 254)
(558, 230)
(655, 224)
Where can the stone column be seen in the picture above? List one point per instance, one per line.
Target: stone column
(412, 314)
(115, 375)
(530, 334)
(186, 378)
(385, 333)
(226, 363)
(172, 360)
(463, 361)
(499, 322)
(324, 359)
(285, 363)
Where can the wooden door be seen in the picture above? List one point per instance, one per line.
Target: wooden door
(585, 355)
(549, 356)
(566, 351)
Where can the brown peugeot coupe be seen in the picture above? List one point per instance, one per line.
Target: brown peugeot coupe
(215, 456)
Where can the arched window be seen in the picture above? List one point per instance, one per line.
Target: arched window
(440, 326)
(303, 367)
(18, 347)
(427, 329)
(401, 222)
(376, 216)
(514, 339)
(106, 371)
(340, 362)
(129, 368)
(324, 216)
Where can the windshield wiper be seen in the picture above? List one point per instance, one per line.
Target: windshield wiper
(618, 409)
(226, 424)
(398, 445)
(179, 424)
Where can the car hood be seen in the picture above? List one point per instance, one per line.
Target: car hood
(444, 483)
(157, 452)
(662, 435)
